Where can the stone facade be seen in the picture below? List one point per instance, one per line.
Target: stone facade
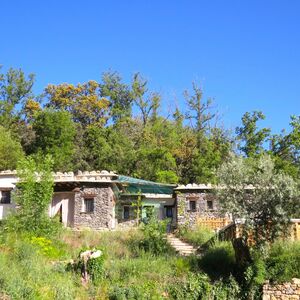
(284, 291)
(205, 206)
(103, 214)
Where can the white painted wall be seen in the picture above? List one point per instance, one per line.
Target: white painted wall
(5, 209)
(64, 201)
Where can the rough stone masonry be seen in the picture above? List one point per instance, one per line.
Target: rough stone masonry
(284, 291)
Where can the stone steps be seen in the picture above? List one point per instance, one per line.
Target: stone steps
(181, 247)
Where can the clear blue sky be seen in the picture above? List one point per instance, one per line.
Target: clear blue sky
(246, 54)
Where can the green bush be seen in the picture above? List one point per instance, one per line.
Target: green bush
(194, 286)
(283, 262)
(254, 277)
(95, 268)
(154, 239)
(218, 261)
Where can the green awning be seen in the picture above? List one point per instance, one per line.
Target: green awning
(134, 186)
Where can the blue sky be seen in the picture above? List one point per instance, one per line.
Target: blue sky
(245, 54)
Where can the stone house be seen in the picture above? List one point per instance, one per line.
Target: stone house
(98, 200)
(105, 200)
(153, 196)
(84, 199)
(196, 204)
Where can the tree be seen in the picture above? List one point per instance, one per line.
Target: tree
(251, 137)
(15, 89)
(83, 101)
(147, 104)
(118, 94)
(252, 190)
(285, 147)
(10, 150)
(55, 133)
(199, 110)
(34, 193)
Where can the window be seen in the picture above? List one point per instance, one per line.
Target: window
(5, 197)
(88, 206)
(169, 212)
(210, 205)
(126, 212)
(192, 205)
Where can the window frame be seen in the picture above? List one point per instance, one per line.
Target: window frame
(169, 208)
(210, 207)
(190, 206)
(123, 215)
(84, 208)
(2, 197)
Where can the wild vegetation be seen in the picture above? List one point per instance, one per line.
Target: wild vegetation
(115, 125)
(118, 126)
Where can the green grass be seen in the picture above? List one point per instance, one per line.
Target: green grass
(196, 236)
(36, 268)
(283, 262)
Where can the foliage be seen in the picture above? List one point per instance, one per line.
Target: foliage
(83, 102)
(251, 137)
(54, 135)
(46, 247)
(218, 261)
(95, 268)
(15, 89)
(154, 239)
(196, 236)
(283, 262)
(255, 192)
(35, 189)
(254, 277)
(27, 274)
(194, 286)
(10, 150)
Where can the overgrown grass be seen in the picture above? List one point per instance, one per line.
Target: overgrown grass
(36, 268)
(283, 262)
(28, 273)
(197, 236)
(219, 261)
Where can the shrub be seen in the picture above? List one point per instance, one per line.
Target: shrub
(218, 261)
(224, 290)
(254, 277)
(95, 268)
(33, 196)
(194, 286)
(283, 262)
(154, 239)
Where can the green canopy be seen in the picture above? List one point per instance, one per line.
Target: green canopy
(134, 186)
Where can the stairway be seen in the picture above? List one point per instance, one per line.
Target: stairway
(181, 247)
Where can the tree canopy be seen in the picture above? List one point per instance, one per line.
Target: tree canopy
(121, 126)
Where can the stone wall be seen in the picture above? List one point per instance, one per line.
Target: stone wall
(188, 217)
(284, 291)
(103, 216)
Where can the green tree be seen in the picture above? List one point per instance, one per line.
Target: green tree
(55, 132)
(285, 147)
(147, 104)
(250, 136)
(10, 150)
(15, 90)
(34, 193)
(264, 198)
(199, 110)
(119, 95)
